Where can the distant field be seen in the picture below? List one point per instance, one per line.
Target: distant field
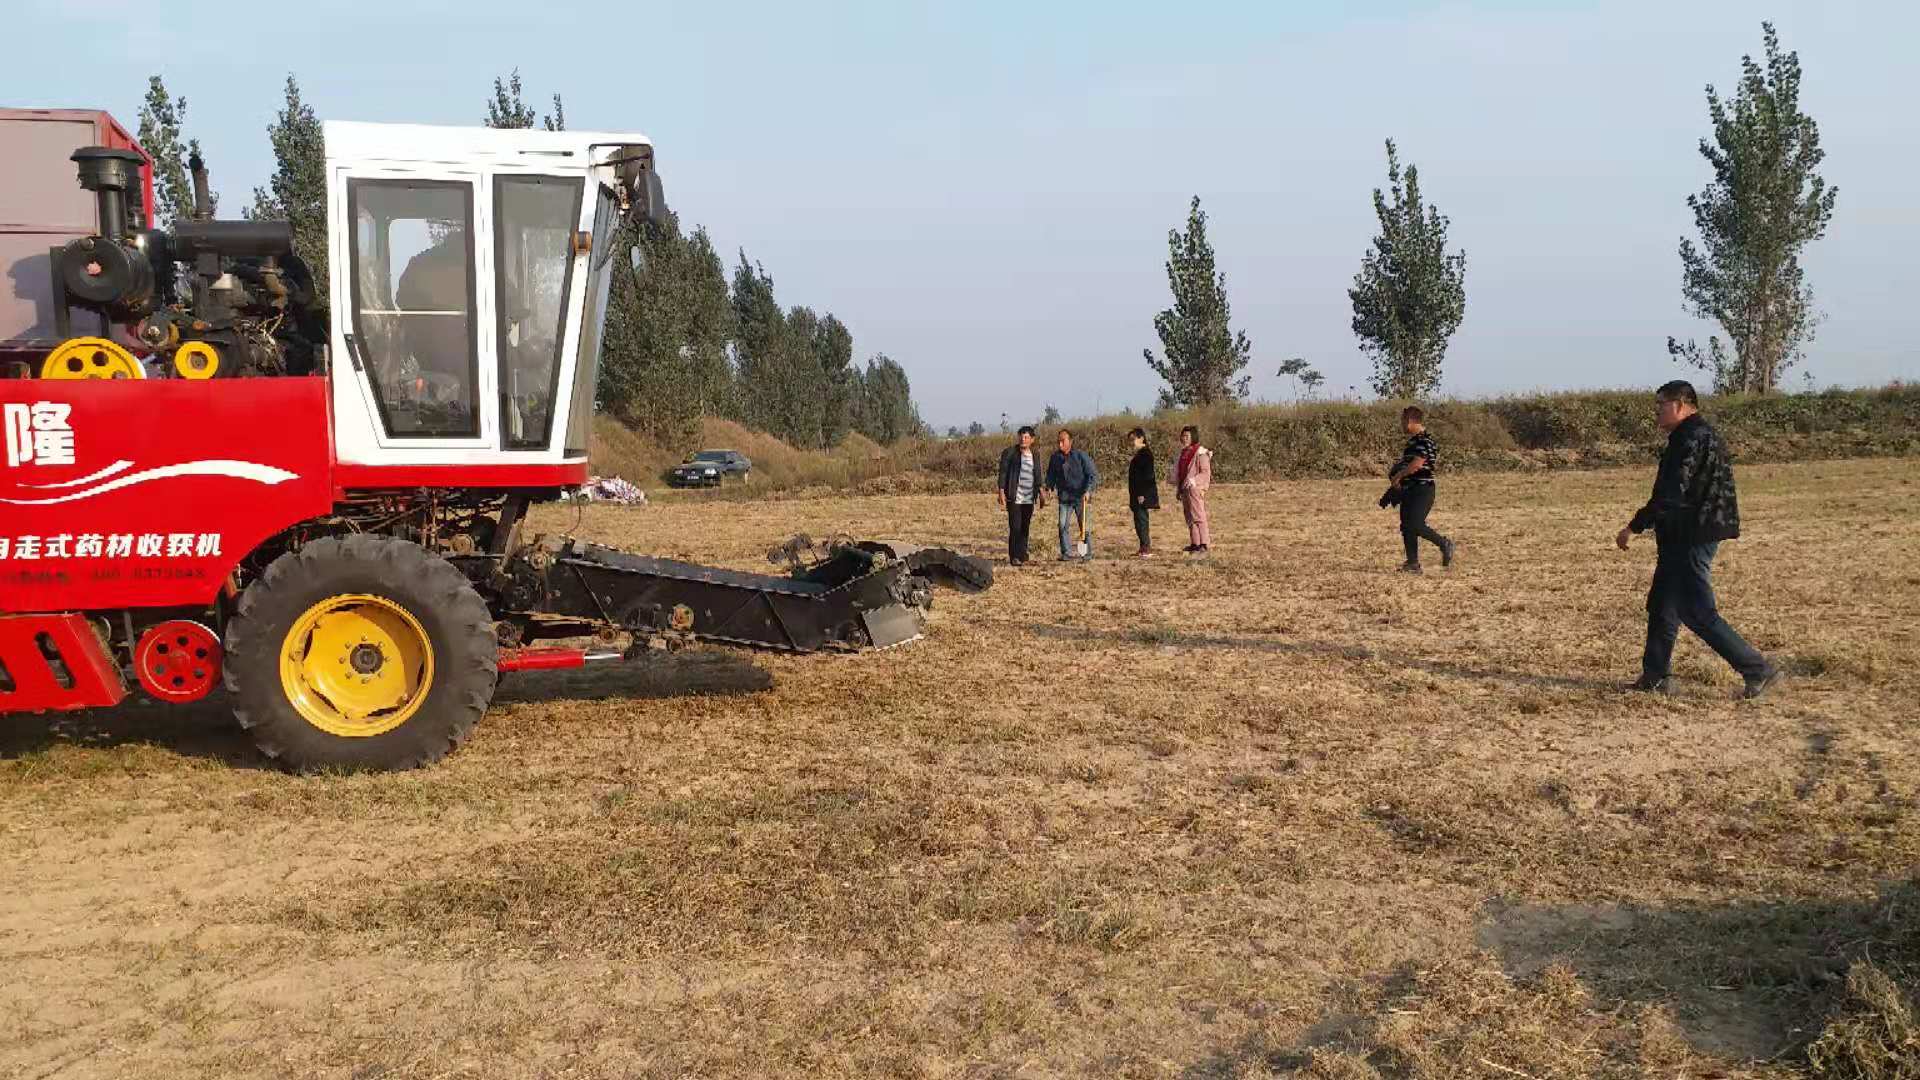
(1277, 811)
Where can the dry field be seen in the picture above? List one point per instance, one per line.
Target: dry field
(1276, 811)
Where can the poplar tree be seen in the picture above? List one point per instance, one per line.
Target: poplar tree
(162, 120)
(1410, 294)
(1201, 355)
(297, 191)
(1762, 208)
(507, 109)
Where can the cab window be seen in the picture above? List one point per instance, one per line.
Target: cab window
(534, 218)
(413, 303)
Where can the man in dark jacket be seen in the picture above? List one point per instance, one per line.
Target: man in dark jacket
(1692, 510)
(1143, 490)
(1071, 477)
(1022, 488)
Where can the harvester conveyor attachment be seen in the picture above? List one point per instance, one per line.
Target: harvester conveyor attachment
(860, 595)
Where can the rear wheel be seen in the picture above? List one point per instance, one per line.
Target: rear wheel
(360, 652)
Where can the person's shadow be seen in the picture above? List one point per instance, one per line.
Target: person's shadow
(1750, 981)
(32, 286)
(206, 729)
(1179, 639)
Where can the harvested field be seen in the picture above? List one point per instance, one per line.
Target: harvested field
(1280, 810)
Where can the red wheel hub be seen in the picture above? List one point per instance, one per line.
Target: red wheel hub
(178, 660)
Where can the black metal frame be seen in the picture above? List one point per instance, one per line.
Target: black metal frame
(861, 595)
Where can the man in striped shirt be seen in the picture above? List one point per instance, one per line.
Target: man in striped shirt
(1412, 476)
(1020, 490)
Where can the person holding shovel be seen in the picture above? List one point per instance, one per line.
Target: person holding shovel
(1071, 477)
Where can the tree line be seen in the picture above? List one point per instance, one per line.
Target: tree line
(1763, 205)
(682, 340)
(686, 338)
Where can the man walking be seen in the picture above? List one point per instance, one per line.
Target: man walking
(1192, 476)
(1692, 510)
(1071, 477)
(1143, 491)
(1019, 493)
(1412, 476)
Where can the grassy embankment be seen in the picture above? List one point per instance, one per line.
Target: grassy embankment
(1326, 439)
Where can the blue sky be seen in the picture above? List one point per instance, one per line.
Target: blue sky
(983, 190)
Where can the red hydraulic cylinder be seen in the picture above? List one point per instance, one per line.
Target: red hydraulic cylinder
(541, 659)
(550, 659)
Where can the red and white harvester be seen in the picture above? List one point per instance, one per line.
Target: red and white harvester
(222, 483)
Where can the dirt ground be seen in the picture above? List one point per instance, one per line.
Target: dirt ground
(1278, 810)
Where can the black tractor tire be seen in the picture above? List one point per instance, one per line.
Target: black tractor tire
(458, 630)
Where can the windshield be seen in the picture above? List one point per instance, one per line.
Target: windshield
(710, 455)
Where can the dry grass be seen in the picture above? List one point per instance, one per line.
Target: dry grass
(1277, 812)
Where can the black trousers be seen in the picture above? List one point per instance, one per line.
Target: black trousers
(1141, 526)
(1416, 502)
(1019, 524)
(1682, 595)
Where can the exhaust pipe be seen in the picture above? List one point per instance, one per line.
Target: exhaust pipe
(202, 194)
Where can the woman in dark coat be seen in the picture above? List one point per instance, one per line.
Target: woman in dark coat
(1143, 491)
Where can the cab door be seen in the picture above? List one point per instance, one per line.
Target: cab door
(537, 259)
(413, 326)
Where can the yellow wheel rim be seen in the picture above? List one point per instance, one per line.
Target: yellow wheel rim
(196, 360)
(357, 665)
(90, 358)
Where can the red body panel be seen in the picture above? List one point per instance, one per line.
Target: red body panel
(348, 476)
(147, 493)
(95, 679)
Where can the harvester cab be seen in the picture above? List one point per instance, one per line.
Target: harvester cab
(471, 273)
(322, 503)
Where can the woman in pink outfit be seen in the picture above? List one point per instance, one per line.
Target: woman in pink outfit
(1192, 475)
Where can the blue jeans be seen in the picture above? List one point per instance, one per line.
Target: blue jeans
(1070, 514)
(1682, 594)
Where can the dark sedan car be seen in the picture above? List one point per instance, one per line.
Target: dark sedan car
(709, 467)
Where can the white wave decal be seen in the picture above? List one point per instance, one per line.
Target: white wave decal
(118, 466)
(239, 470)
